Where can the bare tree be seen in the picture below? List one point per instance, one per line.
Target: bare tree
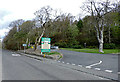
(43, 16)
(16, 24)
(98, 10)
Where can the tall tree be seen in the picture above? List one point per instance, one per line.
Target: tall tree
(80, 24)
(16, 24)
(98, 10)
(42, 17)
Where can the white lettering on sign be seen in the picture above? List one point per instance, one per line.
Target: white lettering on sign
(45, 46)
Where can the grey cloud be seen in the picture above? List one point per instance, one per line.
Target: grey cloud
(3, 13)
(4, 23)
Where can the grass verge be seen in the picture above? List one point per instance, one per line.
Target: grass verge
(51, 53)
(54, 53)
(86, 50)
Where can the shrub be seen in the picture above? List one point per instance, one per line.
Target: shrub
(29, 47)
(77, 47)
(61, 44)
(118, 46)
(109, 46)
(68, 45)
(91, 47)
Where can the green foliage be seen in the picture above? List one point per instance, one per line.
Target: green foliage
(29, 46)
(92, 47)
(87, 34)
(61, 44)
(86, 50)
(77, 47)
(51, 53)
(80, 25)
(118, 46)
(115, 34)
(109, 46)
(72, 34)
(72, 31)
(69, 40)
(64, 34)
(14, 39)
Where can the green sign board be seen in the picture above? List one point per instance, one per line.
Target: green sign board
(46, 39)
(45, 50)
(45, 44)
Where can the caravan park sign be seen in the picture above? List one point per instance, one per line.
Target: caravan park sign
(45, 44)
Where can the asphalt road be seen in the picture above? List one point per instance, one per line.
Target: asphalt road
(103, 62)
(0, 61)
(20, 67)
(0, 64)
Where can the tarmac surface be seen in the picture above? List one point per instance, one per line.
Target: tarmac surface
(20, 67)
(103, 62)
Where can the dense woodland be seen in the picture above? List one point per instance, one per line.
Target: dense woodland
(65, 30)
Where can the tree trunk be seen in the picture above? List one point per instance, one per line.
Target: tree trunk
(100, 39)
(18, 45)
(109, 35)
(41, 35)
(27, 43)
(101, 47)
(35, 44)
(101, 42)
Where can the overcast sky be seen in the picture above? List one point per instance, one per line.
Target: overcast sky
(11, 10)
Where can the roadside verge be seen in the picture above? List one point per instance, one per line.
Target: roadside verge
(37, 53)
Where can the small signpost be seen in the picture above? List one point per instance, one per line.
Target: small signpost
(24, 46)
(45, 45)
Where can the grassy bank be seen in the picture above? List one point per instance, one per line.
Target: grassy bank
(51, 53)
(86, 50)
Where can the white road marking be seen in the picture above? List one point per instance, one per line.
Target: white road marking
(100, 77)
(88, 67)
(73, 64)
(97, 68)
(80, 65)
(63, 62)
(67, 63)
(16, 55)
(119, 73)
(94, 64)
(13, 54)
(58, 61)
(110, 71)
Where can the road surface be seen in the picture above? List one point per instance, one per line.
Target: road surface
(0, 61)
(103, 62)
(20, 67)
(0, 64)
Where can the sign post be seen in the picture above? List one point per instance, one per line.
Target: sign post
(45, 45)
(24, 47)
